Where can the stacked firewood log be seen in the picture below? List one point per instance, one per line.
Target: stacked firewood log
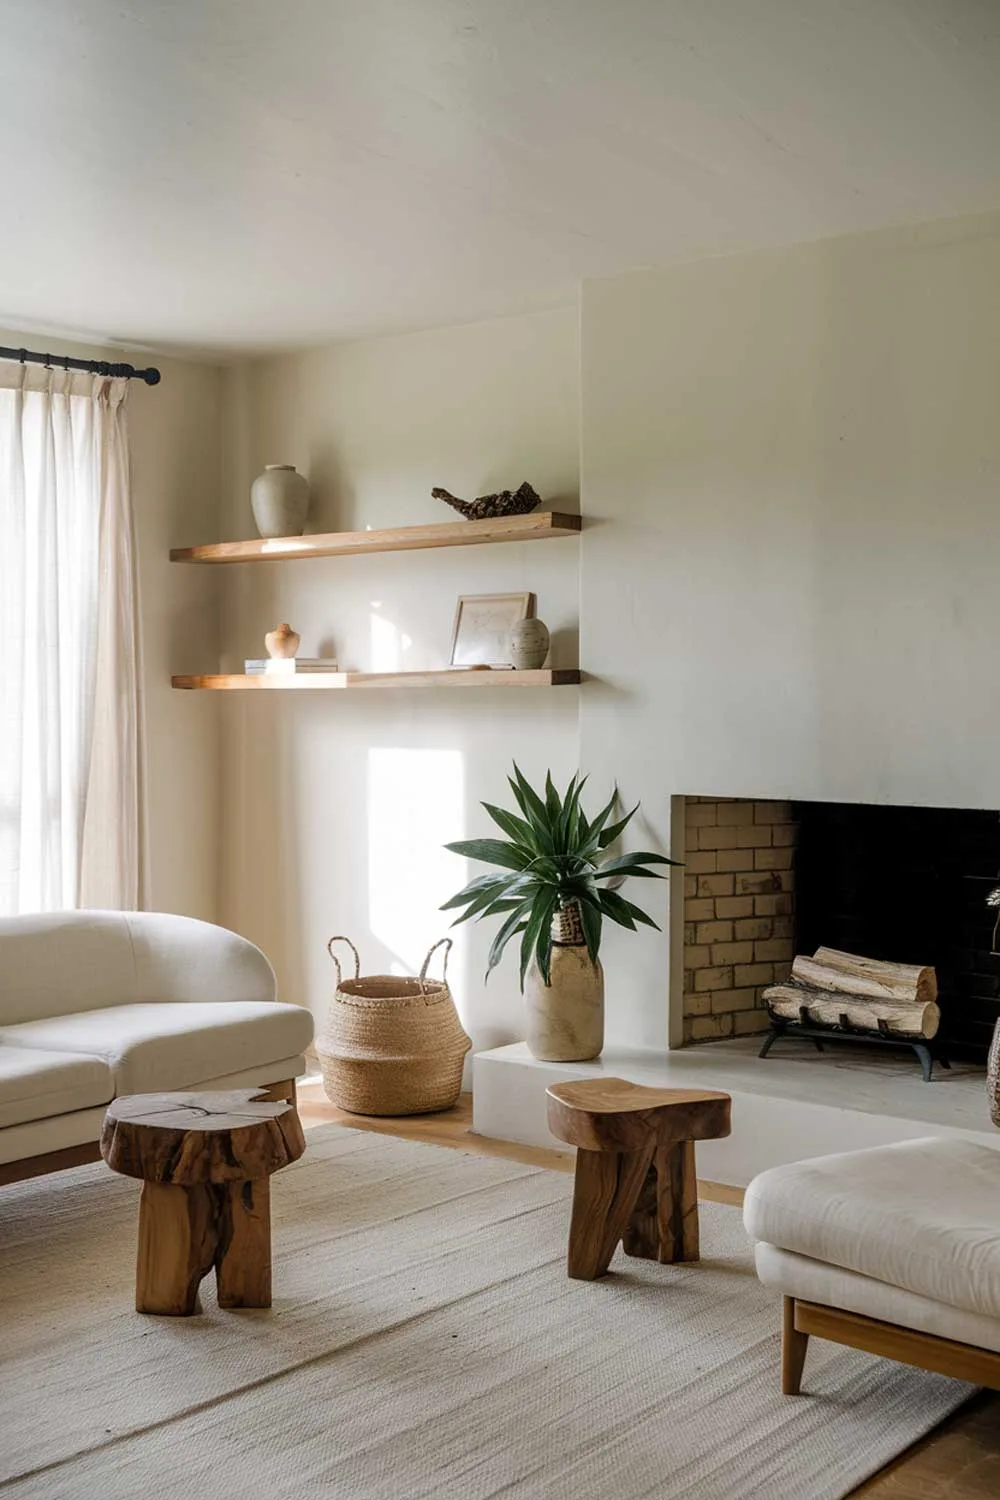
(833, 988)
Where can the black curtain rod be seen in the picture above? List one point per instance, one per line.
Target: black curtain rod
(92, 366)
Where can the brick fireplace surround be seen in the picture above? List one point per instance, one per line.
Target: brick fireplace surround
(738, 912)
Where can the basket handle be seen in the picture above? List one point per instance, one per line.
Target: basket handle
(447, 945)
(336, 960)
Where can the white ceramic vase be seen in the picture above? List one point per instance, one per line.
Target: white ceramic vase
(565, 1018)
(280, 501)
(529, 645)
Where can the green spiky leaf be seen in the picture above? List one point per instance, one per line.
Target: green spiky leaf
(615, 830)
(625, 913)
(514, 923)
(590, 920)
(537, 933)
(515, 828)
(492, 852)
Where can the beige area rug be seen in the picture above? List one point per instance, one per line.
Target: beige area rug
(424, 1342)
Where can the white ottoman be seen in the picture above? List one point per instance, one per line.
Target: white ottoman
(895, 1250)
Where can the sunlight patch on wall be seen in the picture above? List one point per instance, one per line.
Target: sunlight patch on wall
(416, 803)
(389, 643)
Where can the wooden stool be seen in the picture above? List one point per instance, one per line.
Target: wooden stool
(205, 1161)
(635, 1176)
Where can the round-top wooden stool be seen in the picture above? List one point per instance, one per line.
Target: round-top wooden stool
(635, 1175)
(205, 1161)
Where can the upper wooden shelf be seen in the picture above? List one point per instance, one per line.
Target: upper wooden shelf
(332, 681)
(533, 527)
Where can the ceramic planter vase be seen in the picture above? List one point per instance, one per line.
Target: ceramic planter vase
(280, 501)
(565, 1018)
(993, 1076)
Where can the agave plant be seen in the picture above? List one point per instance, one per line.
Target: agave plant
(552, 863)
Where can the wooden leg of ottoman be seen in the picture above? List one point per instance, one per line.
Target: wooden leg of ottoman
(243, 1256)
(605, 1191)
(793, 1351)
(176, 1247)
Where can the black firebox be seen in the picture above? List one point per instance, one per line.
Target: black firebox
(908, 884)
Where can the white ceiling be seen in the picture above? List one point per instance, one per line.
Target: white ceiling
(235, 175)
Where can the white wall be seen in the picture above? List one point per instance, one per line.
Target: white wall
(791, 470)
(176, 432)
(336, 806)
(175, 439)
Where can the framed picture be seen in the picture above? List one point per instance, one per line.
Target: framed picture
(483, 623)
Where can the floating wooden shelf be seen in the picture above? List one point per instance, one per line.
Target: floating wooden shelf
(530, 528)
(318, 681)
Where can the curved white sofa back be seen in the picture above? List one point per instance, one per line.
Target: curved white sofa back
(56, 963)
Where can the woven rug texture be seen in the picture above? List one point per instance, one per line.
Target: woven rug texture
(424, 1344)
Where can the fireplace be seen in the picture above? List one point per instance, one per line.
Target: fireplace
(764, 880)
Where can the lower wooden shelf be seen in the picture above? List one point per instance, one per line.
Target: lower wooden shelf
(341, 681)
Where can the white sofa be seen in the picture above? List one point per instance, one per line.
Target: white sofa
(95, 1004)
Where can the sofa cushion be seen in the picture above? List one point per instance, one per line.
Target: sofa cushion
(35, 1084)
(923, 1215)
(172, 1046)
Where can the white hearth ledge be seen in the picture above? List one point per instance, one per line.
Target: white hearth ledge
(794, 1104)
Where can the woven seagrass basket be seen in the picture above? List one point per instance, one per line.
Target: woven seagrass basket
(392, 1046)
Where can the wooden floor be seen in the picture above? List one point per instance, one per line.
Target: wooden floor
(959, 1461)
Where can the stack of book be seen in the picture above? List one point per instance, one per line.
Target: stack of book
(288, 666)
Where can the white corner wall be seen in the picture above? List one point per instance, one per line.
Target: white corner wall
(176, 435)
(336, 806)
(791, 473)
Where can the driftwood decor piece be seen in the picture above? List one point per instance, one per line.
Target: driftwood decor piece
(205, 1161)
(504, 503)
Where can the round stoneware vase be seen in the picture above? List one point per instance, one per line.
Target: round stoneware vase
(280, 501)
(529, 645)
(565, 1018)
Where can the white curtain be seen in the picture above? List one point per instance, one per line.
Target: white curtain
(70, 710)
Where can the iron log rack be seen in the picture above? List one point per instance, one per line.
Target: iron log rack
(928, 1051)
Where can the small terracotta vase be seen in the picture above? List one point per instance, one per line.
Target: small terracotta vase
(282, 642)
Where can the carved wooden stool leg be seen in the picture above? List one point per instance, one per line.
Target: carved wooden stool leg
(677, 1203)
(664, 1222)
(605, 1190)
(243, 1253)
(177, 1241)
(642, 1232)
